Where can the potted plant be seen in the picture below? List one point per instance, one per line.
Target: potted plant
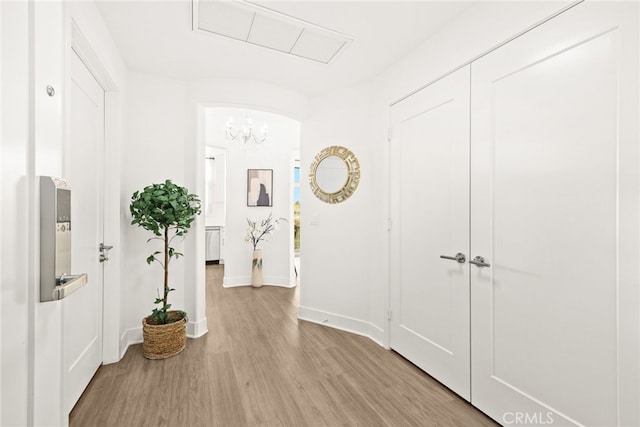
(258, 231)
(167, 210)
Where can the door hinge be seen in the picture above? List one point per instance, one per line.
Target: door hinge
(389, 224)
(389, 134)
(389, 315)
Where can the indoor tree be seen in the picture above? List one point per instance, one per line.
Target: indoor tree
(167, 210)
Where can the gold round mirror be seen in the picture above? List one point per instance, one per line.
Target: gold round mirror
(334, 174)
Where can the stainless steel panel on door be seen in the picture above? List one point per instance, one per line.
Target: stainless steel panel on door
(56, 282)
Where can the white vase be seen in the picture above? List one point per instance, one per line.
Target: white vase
(256, 269)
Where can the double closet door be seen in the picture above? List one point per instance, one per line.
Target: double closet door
(515, 245)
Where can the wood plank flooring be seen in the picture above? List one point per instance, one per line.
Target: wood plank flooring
(260, 366)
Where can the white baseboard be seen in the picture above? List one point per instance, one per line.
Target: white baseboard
(285, 282)
(197, 329)
(130, 337)
(344, 323)
(377, 335)
(233, 282)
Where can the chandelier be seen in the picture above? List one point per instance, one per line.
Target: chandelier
(246, 132)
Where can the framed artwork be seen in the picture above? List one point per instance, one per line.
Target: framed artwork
(259, 187)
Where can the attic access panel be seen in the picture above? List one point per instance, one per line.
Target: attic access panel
(258, 25)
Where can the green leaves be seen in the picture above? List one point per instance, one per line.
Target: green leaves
(152, 257)
(173, 253)
(166, 210)
(159, 316)
(166, 205)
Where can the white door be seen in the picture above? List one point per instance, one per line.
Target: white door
(430, 217)
(82, 310)
(554, 211)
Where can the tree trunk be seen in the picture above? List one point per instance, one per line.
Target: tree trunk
(166, 265)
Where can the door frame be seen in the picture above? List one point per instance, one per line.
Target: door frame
(78, 43)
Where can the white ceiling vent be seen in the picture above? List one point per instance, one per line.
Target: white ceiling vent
(264, 27)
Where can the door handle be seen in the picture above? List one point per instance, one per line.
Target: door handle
(104, 249)
(459, 257)
(480, 262)
(68, 284)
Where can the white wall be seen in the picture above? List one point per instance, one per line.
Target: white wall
(35, 47)
(31, 146)
(483, 27)
(249, 94)
(15, 281)
(353, 293)
(45, 158)
(275, 153)
(1, 306)
(338, 254)
(154, 150)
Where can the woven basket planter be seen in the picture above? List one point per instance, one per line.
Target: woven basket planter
(162, 341)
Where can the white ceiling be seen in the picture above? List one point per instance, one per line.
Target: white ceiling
(255, 24)
(156, 37)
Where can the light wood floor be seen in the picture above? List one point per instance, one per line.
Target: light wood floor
(260, 366)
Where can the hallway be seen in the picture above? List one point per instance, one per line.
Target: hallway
(260, 366)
